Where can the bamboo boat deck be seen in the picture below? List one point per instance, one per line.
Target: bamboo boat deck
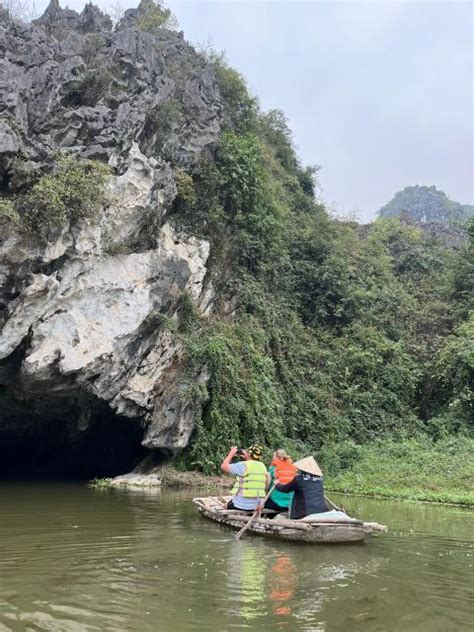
(214, 508)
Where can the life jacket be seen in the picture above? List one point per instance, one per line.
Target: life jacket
(285, 471)
(252, 483)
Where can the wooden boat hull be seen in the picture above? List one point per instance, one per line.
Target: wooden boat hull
(290, 530)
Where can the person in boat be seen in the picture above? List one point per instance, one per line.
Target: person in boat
(283, 470)
(252, 478)
(308, 489)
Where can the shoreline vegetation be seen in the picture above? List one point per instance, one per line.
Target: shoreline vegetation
(441, 472)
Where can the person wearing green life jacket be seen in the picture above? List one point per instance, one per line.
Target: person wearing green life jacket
(283, 470)
(252, 478)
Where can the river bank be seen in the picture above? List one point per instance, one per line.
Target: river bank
(403, 470)
(441, 472)
(166, 476)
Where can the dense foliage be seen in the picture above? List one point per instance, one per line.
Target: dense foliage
(426, 204)
(73, 190)
(326, 332)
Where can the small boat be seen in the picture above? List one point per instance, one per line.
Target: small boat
(332, 527)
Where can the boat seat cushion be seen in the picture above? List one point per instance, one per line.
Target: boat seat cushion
(329, 516)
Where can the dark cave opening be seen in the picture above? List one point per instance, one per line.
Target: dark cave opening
(5, 178)
(52, 446)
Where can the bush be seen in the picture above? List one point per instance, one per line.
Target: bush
(73, 191)
(239, 107)
(462, 295)
(89, 89)
(156, 17)
(185, 191)
(248, 201)
(93, 43)
(340, 457)
(241, 174)
(197, 207)
(160, 122)
(8, 213)
(243, 401)
(454, 375)
(9, 218)
(416, 469)
(274, 126)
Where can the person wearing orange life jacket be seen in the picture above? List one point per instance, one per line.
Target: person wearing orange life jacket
(252, 478)
(282, 470)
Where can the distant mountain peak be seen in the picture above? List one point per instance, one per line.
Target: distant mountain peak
(426, 205)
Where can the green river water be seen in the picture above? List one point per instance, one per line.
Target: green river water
(80, 559)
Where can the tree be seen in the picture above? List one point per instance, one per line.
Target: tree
(155, 17)
(463, 291)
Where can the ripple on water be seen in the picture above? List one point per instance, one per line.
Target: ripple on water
(75, 559)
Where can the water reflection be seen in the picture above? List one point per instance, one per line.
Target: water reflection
(299, 585)
(283, 574)
(80, 559)
(247, 580)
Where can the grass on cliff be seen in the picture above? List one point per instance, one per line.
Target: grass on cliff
(411, 469)
(75, 189)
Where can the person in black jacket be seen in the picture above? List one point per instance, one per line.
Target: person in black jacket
(308, 487)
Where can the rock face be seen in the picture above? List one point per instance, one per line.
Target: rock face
(85, 314)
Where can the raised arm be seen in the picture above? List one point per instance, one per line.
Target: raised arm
(225, 465)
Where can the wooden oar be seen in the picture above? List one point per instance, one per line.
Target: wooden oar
(255, 514)
(333, 506)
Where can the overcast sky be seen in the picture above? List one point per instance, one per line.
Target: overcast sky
(380, 94)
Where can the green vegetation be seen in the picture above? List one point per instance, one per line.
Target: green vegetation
(88, 89)
(156, 17)
(326, 335)
(239, 107)
(8, 213)
(185, 188)
(162, 120)
(244, 398)
(462, 298)
(410, 469)
(100, 483)
(74, 190)
(426, 204)
(93, 43)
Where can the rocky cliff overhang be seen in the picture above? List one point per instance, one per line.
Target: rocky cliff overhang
(85, 310)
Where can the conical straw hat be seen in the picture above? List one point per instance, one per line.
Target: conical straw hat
(308, 465)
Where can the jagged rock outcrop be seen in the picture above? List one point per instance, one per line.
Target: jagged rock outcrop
(82, 312)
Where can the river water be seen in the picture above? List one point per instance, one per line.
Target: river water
(80, 559)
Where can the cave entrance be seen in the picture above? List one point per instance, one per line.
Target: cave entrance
(54, 447)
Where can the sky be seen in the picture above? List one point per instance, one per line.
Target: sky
(378, 93)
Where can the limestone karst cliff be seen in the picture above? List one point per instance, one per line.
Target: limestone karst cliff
(80, 302)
